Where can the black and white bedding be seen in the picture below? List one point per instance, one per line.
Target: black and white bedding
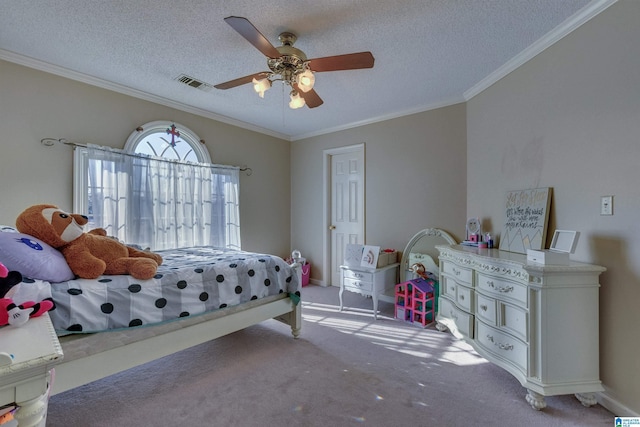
(189, 282)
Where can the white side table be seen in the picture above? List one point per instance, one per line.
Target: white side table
(368, 282)
(25, 381)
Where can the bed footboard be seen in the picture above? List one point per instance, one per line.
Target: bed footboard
(294, 317)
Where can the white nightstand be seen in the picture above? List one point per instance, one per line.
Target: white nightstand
(368, 282)
(25, 381)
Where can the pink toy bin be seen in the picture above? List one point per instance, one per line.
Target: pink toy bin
(306, 272)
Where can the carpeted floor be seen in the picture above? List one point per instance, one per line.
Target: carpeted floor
(346, 369)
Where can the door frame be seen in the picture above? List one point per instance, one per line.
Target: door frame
(326, 215)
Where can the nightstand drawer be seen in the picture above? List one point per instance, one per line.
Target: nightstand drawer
(357, 285)
(357, 275)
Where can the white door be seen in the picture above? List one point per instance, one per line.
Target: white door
(347, 204)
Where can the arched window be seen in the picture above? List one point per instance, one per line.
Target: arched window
(167, 139)
(161, 191)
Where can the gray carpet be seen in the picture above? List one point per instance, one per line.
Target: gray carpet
(346, 369)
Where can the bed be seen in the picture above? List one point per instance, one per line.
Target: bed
(115, 323)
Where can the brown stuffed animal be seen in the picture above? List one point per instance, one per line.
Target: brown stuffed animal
(91, 254)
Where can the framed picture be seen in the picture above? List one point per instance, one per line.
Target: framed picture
(370, 256)
(353, 255)
(526, 217)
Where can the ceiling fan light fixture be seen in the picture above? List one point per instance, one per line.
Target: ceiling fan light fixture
(261, 86)
(306, 80)
(296, 100)
(290, 65)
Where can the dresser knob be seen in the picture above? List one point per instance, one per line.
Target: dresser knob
(483, 307)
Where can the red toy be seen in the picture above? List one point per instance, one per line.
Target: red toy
(17, 314)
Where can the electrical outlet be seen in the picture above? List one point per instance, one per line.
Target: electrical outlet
(606, 205)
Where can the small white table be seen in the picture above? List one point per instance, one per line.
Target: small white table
(24, 381)
(368, 282)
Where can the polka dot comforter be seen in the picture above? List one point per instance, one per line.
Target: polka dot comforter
(189, 282)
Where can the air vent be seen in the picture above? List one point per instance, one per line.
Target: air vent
(190, 81)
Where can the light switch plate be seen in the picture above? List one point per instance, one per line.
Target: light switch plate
(606, 205)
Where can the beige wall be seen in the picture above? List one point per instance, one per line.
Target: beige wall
(570, 119)
(415, 179)
(36, 105)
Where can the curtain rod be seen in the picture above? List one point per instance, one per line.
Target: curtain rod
(50, 142)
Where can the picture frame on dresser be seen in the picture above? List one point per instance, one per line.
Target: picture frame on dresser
(526, 216)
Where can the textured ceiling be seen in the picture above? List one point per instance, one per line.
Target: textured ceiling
(428, 53)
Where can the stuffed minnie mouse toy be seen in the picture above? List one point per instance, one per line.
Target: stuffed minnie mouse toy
(17, 314)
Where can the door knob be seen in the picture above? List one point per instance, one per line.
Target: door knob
(332, 227)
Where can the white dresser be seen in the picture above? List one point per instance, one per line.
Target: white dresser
(539, 322)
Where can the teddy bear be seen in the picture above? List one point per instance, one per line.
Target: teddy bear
(89, 254)
(17, 314)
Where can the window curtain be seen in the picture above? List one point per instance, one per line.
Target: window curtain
(163, 204)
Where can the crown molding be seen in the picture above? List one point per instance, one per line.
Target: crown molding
(569, 25)
(125, 90)
(403, 113)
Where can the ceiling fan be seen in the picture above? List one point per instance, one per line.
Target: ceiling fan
(290, 65)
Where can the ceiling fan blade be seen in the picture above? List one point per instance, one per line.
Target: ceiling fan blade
(241, 80)
(311, 98)
(251, 33)
(350, 61)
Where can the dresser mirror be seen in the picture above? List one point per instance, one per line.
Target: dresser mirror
(422, 249)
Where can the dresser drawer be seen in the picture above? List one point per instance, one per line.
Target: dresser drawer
(462, 295)
(502, 345)
(448, 287)
(486, 309)
(357, 285)
(452, 317)
(465, 298)
(515, 320)
(358, 275)
(503, 289)
(461, 274)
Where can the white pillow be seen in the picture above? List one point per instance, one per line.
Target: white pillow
(33, 258)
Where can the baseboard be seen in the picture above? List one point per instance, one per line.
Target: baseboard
(618, 409)
(317, 282)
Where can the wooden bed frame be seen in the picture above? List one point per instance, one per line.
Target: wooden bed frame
(91, 357)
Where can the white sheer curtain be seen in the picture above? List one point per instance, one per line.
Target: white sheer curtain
(163, 204)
